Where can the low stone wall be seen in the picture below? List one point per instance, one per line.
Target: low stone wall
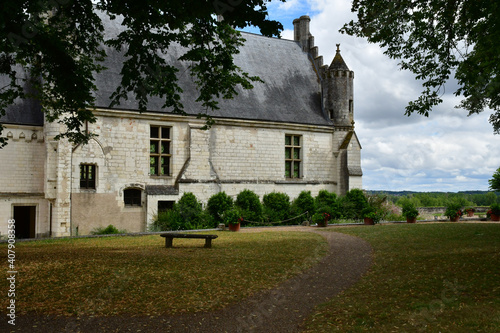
(441, 210)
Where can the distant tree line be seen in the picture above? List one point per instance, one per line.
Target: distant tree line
(443, 199)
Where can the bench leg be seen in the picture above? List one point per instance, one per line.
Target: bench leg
(208, 242)
(168, 241)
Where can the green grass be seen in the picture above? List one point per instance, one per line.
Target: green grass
(425, 278)
(139, 276)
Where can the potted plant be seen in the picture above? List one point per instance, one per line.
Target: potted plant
(410, 212)
(371, 215)
(233, 219)
(470, 211)
(375, 209)
(454, 212)
(321, 219)
(494, 212)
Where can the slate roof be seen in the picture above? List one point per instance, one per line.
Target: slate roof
(354, 170)
(338, 62)
(24, 111)
(161, 190)
(290, 93)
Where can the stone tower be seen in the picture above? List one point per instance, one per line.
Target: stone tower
(337, 102)
(338, 91)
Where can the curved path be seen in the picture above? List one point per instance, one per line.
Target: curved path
(279, 310)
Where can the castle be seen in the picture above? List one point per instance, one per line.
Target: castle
(293, 132)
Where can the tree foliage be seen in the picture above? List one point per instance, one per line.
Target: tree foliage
(54, 46)
(495, 181)
(436, 39)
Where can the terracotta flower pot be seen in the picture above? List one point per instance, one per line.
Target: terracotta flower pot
(368, 221)
(495, 217)
(323, 224)
(454, 219)
(411, 219)
(470, 214)
(234, 227)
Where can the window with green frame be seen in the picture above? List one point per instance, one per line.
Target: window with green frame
(87, 176)
(159, 151)
(293, 155)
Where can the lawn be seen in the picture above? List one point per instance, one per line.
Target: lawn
(425, 278)
(139, 276)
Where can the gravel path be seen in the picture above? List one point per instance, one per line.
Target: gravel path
(279, 310)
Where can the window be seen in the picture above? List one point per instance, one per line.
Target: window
(292, 156)
(87, 176)
(132, 197)
(165, 205)
(159, 151)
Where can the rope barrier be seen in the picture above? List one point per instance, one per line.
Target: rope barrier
(293, 218)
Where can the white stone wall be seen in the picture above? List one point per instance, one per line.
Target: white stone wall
(230, 157)
(247, 153)
(22, 160)
(22, 175)
(354, 160)
(42, 213)
(354, 153)
(227, 158)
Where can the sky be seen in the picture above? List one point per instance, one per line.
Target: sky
(447, 152)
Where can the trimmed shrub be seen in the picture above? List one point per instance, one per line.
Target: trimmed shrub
(109, 230)
(276, 206)
(168, 220)
(189, 208)
(353, 204)
(301, 204)
(327, 202)
(218, 204)
(250, 206)
(187, 214)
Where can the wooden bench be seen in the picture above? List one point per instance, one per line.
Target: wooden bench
(169, 237)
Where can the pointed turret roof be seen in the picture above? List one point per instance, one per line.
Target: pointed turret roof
(338, 63)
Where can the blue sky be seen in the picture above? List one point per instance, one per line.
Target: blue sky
(446, 152)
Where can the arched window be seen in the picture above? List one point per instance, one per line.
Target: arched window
(132, 197)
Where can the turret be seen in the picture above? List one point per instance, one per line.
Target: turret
(337, 84)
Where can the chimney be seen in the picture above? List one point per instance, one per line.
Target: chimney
(301, 31)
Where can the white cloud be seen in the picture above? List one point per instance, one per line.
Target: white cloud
(290, 4)
(446, 152)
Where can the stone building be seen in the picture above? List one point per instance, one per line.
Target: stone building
(293, 132)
